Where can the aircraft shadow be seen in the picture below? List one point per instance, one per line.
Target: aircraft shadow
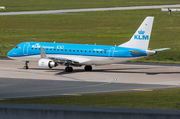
(119, 70)
(43, 69)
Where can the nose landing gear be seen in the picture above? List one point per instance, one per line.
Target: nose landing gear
(26, 65)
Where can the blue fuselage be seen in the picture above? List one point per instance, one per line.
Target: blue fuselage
(34, 48)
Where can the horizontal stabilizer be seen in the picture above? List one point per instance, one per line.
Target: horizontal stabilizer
(134, 52)
(152, 52)
(157, 50)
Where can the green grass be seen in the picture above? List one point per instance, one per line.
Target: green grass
(158, 99)
(103, 27)
(29, 5)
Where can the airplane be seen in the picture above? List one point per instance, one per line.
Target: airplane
(50, 55)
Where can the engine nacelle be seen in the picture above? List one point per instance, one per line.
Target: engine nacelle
(46, 63)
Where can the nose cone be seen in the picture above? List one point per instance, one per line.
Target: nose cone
(12, 53)
(9, 54)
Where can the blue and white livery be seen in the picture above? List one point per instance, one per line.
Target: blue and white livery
(51, 55)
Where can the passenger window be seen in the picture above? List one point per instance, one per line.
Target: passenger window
(89, 51)
(50, 49)
(35, 48)
(65, 50)
(97, 51)
(77, 50)
(61, 49)
(58, 50)
(54, 49)
(69, 50)
(73, 50)
(32, 48)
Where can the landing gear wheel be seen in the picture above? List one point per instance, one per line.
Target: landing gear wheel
(68, 69)
(88, 68)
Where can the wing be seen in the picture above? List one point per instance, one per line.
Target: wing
(74, 61)
(64, 61)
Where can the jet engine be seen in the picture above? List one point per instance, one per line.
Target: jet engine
(47, 63)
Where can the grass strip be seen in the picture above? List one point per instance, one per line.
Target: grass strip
(157, 99)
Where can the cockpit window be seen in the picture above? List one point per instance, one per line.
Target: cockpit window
(16, 47)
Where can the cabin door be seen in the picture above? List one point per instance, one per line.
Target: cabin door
(111, 53)
(25, 48)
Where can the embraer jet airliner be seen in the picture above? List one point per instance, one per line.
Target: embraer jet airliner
(51, 55)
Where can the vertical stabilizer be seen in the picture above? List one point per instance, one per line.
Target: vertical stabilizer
(141, 38)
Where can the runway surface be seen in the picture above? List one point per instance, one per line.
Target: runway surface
(15, 82)
(86, 10)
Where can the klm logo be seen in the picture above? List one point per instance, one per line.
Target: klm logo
(42, 64)
(141, 36)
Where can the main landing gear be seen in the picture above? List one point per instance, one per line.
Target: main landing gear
(26, 65)
(68, 69)
(86, 68)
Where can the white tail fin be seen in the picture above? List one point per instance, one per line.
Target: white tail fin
(141, 38)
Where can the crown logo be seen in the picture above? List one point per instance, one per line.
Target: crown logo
(141, 32)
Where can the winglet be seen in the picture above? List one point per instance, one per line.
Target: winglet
(43, 54)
